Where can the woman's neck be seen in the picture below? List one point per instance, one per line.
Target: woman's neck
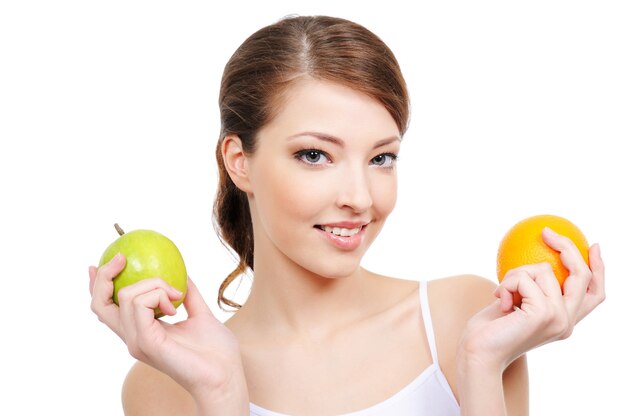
(287, 300)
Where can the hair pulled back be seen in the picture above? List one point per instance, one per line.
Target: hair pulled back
(258, 73)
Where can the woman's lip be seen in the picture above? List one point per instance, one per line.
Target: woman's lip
(345, 224)
(344, 243)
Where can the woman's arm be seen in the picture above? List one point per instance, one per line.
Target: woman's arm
(502, 332)
(515, 384)
(487, 390)
(149, 392)
(198, 353)
(454, 301)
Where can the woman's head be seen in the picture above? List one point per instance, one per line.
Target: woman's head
(256, 81)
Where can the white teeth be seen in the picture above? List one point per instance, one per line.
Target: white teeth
(343, 232)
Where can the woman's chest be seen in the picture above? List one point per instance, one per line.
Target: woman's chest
(338, 376)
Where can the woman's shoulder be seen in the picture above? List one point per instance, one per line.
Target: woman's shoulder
(458, 298)
(453, 301)
(463, 294)
(466, 291)
(147, 391)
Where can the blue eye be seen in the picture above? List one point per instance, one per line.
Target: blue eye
(312, 156)
(385, 160)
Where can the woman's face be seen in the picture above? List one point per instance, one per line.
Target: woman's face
(323, 177)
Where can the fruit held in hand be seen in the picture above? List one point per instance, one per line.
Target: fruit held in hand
(523, 244)
(148, 254)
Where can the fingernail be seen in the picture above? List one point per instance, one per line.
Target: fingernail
(549, 231)
(117, 257)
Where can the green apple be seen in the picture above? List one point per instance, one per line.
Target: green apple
(148, 254)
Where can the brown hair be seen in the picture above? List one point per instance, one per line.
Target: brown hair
(260, 70)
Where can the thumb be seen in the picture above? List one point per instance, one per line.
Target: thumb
(194, 302)
(101, 284)
(92, 277)
(113, 267)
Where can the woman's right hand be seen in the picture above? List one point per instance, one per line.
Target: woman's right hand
(199, 353)
(503, 331)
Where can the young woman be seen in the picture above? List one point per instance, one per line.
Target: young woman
(313, 113)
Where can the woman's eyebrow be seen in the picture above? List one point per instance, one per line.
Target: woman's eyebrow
(336, 140)
(386, 141)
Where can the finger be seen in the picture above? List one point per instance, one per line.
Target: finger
(103, 282)
(575, 286)
(126, 298)
(570, 256)
(596, 285)
(102, 293)
(543, 277)
(194, 302)
(596, 290)
(533, 282)
(128, 293)
(130, 310)
(517, 281)
(144, 330)
(542, 299)
(506, 299)
(92, 278)
(149, 302)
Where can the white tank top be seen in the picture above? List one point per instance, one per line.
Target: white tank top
(428, 395)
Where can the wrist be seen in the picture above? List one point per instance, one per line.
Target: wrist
(479, 381)
(229, 398)
(475, 354)
(472, 363)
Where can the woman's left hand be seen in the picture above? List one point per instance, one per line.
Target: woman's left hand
(503, 331)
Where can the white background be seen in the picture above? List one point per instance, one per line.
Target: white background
(108, 113)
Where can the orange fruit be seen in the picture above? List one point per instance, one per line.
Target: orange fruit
(523, 244)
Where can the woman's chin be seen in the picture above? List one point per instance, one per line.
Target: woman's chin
(338, 271)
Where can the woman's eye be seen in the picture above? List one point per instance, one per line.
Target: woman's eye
(385, 160)
(312, 157)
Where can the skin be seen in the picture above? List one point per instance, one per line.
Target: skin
(317, 324)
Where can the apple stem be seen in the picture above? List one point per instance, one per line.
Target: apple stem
(118, 229)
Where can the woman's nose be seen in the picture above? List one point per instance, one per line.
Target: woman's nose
(354, 191)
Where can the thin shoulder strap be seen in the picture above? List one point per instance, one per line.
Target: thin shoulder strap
(428, 323)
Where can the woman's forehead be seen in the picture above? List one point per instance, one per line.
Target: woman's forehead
(330, 108)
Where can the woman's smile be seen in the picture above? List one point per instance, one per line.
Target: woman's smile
(343, 237)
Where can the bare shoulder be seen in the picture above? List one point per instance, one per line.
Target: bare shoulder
(453, 301)
(147, 391)
(462, 296)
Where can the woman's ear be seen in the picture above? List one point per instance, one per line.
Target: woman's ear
(236, 162)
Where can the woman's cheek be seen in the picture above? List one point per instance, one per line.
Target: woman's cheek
(385, 194)
(298, 193)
